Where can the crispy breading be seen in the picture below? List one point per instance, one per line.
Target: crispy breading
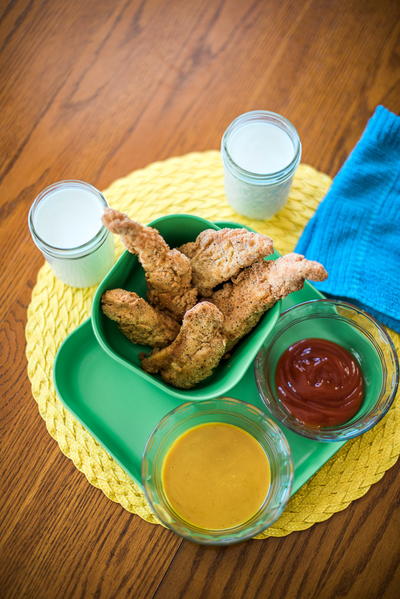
(217, 256)
(168, 272)
(245, 299)
(137, 320)
(195, 352)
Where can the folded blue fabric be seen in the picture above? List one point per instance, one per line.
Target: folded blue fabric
(355, 232)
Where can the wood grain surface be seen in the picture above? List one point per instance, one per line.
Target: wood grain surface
(93, 89)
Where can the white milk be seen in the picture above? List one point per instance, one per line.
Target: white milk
(260, 151)
(261, 148)
(68, 217)
(65, 223)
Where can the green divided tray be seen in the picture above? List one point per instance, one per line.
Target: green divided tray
(121, 408)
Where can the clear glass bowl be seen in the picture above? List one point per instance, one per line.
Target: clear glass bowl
(231, 411)
(353, 329)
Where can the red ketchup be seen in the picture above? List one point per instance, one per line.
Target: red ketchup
(319, 382)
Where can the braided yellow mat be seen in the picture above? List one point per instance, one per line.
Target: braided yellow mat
(194, 184)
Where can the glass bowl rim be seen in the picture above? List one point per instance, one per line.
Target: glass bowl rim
(328, 434)
(227, 537)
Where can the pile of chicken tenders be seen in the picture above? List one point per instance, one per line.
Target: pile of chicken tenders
(202, 297)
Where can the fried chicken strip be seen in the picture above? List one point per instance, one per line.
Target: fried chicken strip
(168, 272)
(195, 352)
(137, 320)
(217, 256)
(245, 299)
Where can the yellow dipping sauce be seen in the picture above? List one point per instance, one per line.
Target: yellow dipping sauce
(216, 476)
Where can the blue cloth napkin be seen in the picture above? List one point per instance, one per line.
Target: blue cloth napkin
(355, 232)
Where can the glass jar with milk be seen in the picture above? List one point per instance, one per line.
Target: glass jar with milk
(65, 224)
(261, 151)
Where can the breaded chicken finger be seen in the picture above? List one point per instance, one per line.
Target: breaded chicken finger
(168, 272)
(137, 320)
(195, 352)
(217, 256)
(244, 300)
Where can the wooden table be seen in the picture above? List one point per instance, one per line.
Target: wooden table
(93, 89)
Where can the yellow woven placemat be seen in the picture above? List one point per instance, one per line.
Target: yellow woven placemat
(194, 184)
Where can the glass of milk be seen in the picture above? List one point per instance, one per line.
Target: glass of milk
(65, 224)
(260, 151)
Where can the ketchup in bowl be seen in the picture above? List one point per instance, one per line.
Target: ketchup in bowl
(319, 382)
